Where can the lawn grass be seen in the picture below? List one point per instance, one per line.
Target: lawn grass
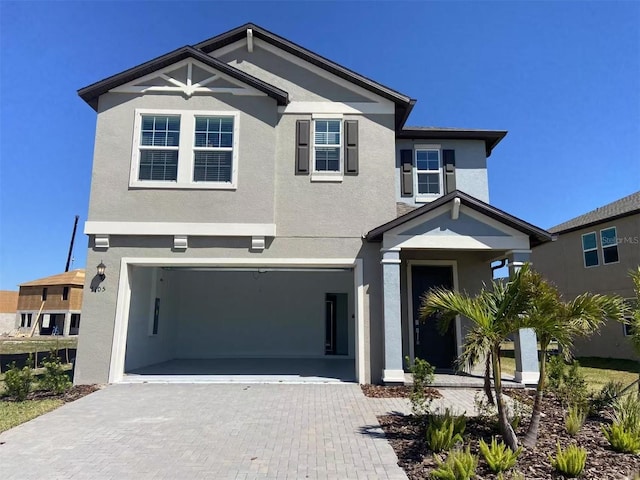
(35, 344)
(15, 413)
(597, 371)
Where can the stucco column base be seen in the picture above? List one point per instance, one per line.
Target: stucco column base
(393, 377)
(527, 378)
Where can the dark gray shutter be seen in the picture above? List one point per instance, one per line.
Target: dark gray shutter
(449, 162)
(406, 173)
(303, 129)
(350, 147)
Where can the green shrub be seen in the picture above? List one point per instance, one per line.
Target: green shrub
(459, 465)
(569, 462)
(445, 431)
(621, 439)
(423, 376)
(606, 396)
(626, 411)
(555, 372)
(498, 456)
(18, 381)
(54, 379)
(574, 420)
(569, 384)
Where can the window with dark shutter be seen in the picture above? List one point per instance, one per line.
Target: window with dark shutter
(406, 173)
(303, 128)
(351, 147)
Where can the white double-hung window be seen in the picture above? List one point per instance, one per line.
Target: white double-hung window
(327, 146)
(185, 149)
(428, 173)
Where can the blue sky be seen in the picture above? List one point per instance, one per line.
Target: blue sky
(562, 77)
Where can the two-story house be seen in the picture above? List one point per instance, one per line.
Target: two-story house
(261, 209)
(595, 252)
(51, 305)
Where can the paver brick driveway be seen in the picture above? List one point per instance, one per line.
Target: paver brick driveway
(197, 431)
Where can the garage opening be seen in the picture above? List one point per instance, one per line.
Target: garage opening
(240, 325)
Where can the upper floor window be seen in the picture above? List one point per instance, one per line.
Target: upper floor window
(65, 293)
(213, 149)
(44, 294)
(327, 146)
(428, 172)
(159, 145)
(590, 249)
(609, 242)
(185, 149)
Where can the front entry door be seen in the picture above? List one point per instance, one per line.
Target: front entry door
(429, 343)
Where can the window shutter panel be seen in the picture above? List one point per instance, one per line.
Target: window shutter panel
(351, 147)
(406, 173)
(449, 162)
(303, 130)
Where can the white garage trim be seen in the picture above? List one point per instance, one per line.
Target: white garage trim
(118, 348)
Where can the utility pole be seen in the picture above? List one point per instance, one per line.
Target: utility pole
(73, 237)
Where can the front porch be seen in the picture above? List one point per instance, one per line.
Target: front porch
(455, 243)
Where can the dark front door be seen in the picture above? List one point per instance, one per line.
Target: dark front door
(429, 343)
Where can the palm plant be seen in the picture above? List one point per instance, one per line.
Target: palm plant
(634, 320)
(552, 318)
(495, 314)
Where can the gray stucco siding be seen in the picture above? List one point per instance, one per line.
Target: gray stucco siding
(349, 208)
(471, 167)
(300, 83)
(252, 202)
(99, 309)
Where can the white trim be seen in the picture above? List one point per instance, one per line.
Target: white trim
(393, 376)
(186, 148)
(327, 116)
(584, 260)
(101, 240)
(602, 247)
(455, 209)
(455, 242)
(249, 40)
(353, 108)
(458, 324)
(427, 197)
(180, 242)
(327, 175)
(137, 86)
(258, 243)
(119, 339)
(527, 378)
(180, 228)
(358, 280)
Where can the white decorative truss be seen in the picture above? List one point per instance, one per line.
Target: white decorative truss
(188, 77)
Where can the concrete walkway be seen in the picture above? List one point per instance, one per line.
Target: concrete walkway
(212, 431)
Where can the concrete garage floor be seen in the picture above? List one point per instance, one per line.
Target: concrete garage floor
(247, 370)
(206, 431)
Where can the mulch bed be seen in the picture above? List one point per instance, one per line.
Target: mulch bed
(406, 435)
(74, 393)
(401, 391)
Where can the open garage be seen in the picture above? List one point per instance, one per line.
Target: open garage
(191, 323)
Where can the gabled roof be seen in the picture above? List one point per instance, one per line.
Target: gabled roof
(491, 138)
(74, 277)
(626, 206)
(536, 235)
(404, 103)
(91, 93)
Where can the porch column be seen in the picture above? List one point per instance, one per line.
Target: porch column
(525, 341)
(393, 371)
(67, 324)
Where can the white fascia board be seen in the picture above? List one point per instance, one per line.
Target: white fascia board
(353, 108)
(456, 242)
(180, 228)
(242, 262)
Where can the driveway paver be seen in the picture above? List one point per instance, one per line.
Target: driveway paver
(212, 431)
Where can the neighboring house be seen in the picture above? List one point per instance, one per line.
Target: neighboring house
(58, 301)
(261, 208)
(595, 253)
(8, 305)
